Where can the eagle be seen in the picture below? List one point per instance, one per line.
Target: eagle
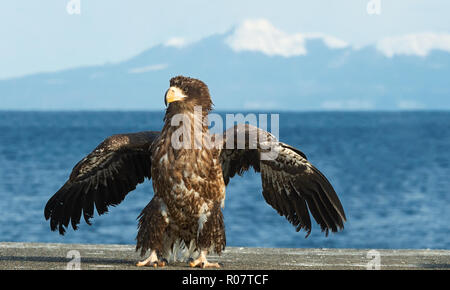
(190, 169)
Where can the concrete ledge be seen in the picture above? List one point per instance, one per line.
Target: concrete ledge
(41, 256)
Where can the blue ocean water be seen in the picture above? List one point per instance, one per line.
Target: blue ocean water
(390, 169)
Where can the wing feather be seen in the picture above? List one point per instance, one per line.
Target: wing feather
(101, 179)
(291, 184)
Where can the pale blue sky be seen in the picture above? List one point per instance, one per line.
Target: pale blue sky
(41, 36)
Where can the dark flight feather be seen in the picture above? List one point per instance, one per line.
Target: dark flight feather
(291, 184)
(101, 179)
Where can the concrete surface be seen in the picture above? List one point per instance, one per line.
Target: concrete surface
(42, 256)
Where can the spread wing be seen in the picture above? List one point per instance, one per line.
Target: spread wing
(291, 184)
(103, 178)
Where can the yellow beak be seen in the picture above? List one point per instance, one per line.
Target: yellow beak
(173, 95)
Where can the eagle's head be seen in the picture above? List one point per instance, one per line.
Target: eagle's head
(185, 93)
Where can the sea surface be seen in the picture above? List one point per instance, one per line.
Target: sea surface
(391, 171)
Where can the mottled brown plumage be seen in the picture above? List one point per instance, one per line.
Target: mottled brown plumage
(189, 181)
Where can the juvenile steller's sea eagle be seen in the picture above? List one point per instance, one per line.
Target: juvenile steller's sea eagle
(189, 182)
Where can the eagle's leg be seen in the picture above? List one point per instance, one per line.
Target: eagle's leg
(152, 260)
(202, 262)
(210, 235)
(153, 223)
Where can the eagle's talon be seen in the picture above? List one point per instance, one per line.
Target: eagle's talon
(201, 262)
(152, 261)
(142, 264)
(155, 264)
(162, 263)
(209, 265)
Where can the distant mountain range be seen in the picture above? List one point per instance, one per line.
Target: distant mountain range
(324, 78)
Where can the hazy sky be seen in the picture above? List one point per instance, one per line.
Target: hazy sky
(40, 36)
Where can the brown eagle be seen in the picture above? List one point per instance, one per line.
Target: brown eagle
(185, 214)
